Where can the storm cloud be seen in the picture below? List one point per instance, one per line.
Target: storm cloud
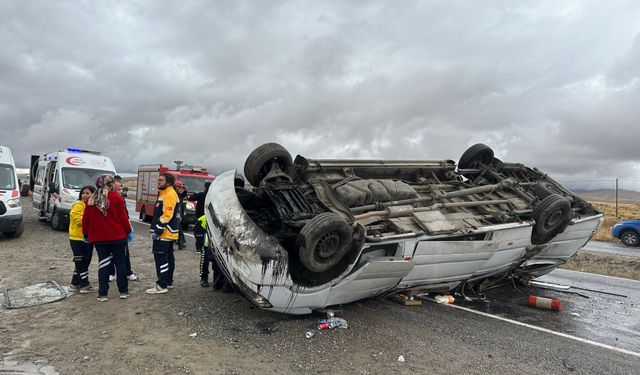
(549, 84)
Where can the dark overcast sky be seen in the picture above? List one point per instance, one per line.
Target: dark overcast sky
(552, 84)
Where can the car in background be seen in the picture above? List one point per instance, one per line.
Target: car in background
(627, 231)
(10, 208)
(25, 189)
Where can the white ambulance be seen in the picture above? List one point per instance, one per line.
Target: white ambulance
(10, 208)
(58, 178)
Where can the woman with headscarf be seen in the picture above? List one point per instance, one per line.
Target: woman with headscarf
(106, 225)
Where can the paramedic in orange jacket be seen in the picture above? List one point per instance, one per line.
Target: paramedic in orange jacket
(164, 232)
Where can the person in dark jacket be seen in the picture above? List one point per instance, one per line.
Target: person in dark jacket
(106, 225)
(198, 231)
(181, 190)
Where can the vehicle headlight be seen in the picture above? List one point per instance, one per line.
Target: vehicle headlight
(68, 198)
(253, 297)
(13, 203)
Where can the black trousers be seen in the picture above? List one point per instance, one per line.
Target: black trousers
(198, 233)
(107, 254)
(112, 269)
(206, 259)
(182, 241)
(219, 278)
(82, 253)
(165, 262)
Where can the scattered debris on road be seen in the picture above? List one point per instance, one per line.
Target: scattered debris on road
(404, 299)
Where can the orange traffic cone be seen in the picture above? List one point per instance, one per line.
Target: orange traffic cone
(545, 303)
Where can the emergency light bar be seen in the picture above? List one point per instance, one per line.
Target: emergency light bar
(77, 150)
(193, 168)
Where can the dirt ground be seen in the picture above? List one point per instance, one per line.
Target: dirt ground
(83, 335)
(198, 330)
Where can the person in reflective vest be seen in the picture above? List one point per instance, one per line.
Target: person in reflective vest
(164, 232)
(207, 256)
(199, 198)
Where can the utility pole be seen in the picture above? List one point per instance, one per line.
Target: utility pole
(616, 198)
(179, 163)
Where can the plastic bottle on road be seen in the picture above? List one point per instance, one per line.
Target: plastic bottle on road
(447, 299)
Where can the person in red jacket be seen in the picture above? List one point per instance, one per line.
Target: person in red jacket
(106, 225)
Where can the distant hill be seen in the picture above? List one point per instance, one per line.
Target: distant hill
(609, 195)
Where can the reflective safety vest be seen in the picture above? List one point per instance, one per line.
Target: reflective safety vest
(203, 223)
(166, 219)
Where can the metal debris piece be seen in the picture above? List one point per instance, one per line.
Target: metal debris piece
(34, 295)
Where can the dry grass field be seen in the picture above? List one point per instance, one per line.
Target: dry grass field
(608, 264)
(625, 211)
(605, 264)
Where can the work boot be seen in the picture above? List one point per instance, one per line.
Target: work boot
(87, 289)
(204, 283)
(157, 289)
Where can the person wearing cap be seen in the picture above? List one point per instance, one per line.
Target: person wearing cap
(164, 232)
(182, 197)
(105, 224)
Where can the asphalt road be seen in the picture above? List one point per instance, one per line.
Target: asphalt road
(598, 330)
(602, 309)
(612, 248)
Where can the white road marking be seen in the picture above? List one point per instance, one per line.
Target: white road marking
(579, 339)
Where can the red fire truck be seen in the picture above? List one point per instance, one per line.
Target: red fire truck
(147, 191)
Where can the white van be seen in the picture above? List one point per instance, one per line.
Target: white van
(10, 208)
(58, 178)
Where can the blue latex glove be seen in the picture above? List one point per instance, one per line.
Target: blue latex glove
(154, 236)
(130, 236)
(85, 239)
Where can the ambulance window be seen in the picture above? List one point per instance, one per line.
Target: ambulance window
(76, 178)
(52, 171)
(54, 179)
(7, 181)
(40, 175)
